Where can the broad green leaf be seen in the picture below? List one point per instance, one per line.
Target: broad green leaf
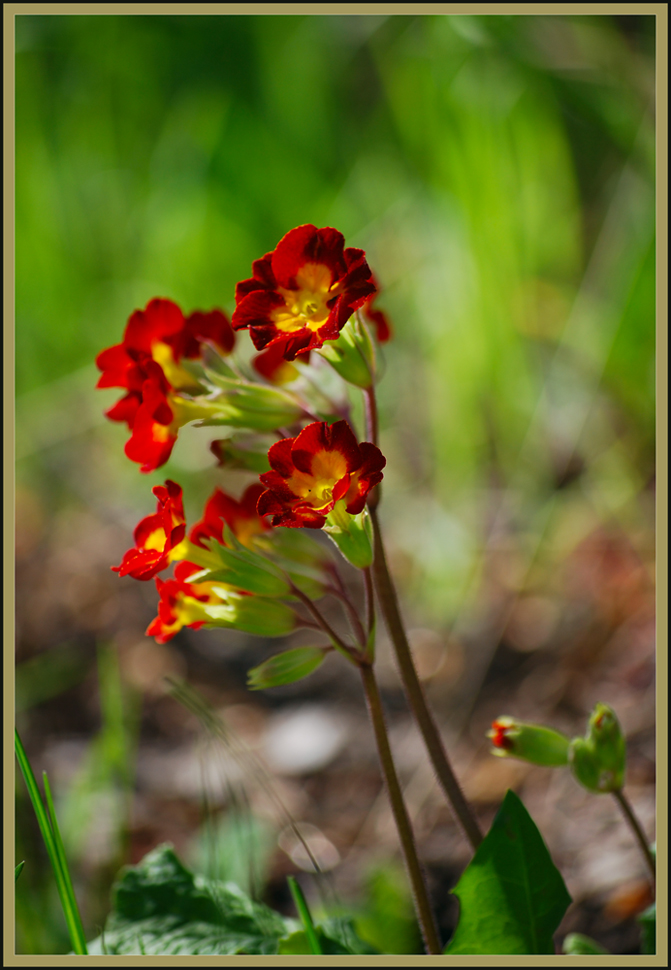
(511, 896)
(577, 944)
(286, 668)
(159, 907)
(648, 921)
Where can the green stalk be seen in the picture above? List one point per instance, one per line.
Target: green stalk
(639, 835)
(420, 895)
(304, 913)
(48, 828)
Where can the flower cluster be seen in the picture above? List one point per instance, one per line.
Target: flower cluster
(148, 364)
(310, 298)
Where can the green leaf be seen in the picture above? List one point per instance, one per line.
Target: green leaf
(286, 668)
(334, 936)
(512, 897)
(648, 921)
(577, 944)
(159, 907)
(18, 870)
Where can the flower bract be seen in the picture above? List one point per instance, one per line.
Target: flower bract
(304, 292)
(310, 473)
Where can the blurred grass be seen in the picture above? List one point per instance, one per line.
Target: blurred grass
(499, 172)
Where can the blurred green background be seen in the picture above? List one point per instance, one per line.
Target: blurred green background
(499, 173)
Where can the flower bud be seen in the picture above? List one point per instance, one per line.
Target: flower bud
(241, 404)
(598, 759)
(529, 742)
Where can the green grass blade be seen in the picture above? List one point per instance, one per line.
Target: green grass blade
(18, 870)
(304, 913)
(48, 837)
(73, 916)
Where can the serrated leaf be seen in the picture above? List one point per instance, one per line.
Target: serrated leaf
(577, 944)
(512, 897)
(286, 667)
(159, 907)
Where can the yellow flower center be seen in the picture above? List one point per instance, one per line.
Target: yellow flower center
(306, 306)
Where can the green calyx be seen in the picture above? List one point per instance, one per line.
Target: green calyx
(352, 355)
(598, 760)
(352, 534)
(534, 743)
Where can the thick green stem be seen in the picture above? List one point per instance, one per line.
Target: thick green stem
(390, 609)
(420, 894)
(639, 834)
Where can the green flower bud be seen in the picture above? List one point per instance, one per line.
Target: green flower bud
(528, 742)
(598, 760)
(352, 355)
(352, 534)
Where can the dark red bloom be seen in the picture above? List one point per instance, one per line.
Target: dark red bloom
(241, 517)
(313, 471)
(147, 363)
(156, 536)
(304, 292)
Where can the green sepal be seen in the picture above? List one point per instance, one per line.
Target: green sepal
(252, 614)
(249, 453)
(286, 667)
(352, 355)
(598, 760)
(243, 404)
(352, 534)
(535, 743)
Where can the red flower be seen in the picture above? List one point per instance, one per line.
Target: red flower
(156, 536)
(148, 364)
(180, 604)
(313, 471)
(241, 517)
(304, 292)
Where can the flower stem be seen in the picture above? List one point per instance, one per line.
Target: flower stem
(370, 401)
(420, 894)
(324, 625)
(390, 609)
(635, 826)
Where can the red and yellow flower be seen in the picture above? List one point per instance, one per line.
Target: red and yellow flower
(323, 465)
(304, 292)
(158, 538)
(181, 603)
(241, 517)
(147, 363)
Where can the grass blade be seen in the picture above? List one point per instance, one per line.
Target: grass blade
(73, 916)
(18, 870)
(304, 913)
(76, 933)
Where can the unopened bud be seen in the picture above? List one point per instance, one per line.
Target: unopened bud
(529, 742)
(598, 760)
(352, 355)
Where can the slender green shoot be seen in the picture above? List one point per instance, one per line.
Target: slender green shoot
(304, 913)
(18, 870)
(48, 828)
(73, 918)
